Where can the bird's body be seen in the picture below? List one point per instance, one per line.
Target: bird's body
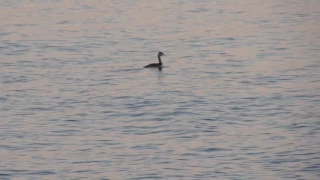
(156, 65)
(153, 65)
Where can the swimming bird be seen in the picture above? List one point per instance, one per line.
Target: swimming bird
(156, 65)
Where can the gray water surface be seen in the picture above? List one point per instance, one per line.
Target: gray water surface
(239, 96)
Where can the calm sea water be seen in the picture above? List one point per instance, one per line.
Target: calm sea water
(239, 96)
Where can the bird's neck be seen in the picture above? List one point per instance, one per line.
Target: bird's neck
(159, 60)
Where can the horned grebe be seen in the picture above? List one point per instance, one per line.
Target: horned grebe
(156, 65)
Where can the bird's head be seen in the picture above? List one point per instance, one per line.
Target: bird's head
(160, 54)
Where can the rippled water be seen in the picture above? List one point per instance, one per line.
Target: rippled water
(239, 96)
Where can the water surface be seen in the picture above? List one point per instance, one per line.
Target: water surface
(239, 96)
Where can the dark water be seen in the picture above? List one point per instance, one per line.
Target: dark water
(239, 96)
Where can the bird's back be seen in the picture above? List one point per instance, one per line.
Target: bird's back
(155, 65)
